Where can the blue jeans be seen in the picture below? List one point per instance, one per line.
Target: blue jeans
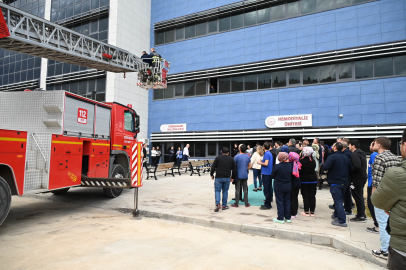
(268, 189)
(382, 219)
(337, 192)
(257, 174)
(283, 205)
(221, 184)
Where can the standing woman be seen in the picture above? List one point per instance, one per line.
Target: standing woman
(171, 155)
(316, 157)
(179, 156)
(294, 201)
(153, 156)
(256, 168)
(158, 155)
(282, 173)
(308, 178)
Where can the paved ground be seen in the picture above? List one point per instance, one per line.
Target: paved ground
(194, 197)
(43, 235)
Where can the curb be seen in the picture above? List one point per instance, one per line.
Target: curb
(310, 238)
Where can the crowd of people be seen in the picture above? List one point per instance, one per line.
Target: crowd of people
(284, 171)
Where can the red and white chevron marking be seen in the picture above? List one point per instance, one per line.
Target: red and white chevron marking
(134, 167)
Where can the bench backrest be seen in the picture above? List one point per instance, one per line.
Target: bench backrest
(198, 163)
(211, 161)
(184, 164)
(165, 166)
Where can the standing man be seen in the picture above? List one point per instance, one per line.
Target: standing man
(172, 155)
(158, 155)
(358, 178)
(235, 150)
(156, 58)
(146, 58)
(292, 146)
(338, 167)
(383, 161)
(278, 146)
(185, 154)
(390, 196)
(224, 167)
(371, 208)
(274, 154)
(243, 164)
(267, 166)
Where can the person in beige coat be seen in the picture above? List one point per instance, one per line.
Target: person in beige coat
(256, 168)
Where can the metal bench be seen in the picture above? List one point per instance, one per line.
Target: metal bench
(183, 165)
(197, 166)
(163, 167)
(208, 165)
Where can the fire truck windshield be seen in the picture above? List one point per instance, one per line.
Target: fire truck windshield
(129, 122)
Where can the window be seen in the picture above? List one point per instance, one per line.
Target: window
(200, 149)
(159, 38)
(310, 75)
(292, 9)
(211, 148)
(383, 67)
(169, 36)
(201, 88)
(158, 93)
(325, 5)
(189, 89)
(364, 69)
(294, 76)
(201, 29)
(168, 92)
(179, 90)
(190, 31)
(327, 73)
(278, 12)
(128, 122)
(237, 83)
(264, 80)
(213, 26)
(237, 21)
(250, 82)
(224, 24)
(342, 2)
(308, 6)
(359, 1)
(345, 71)
(279, 79)
(180, 33)
(250, 18)
(264, 15)
(224, 85)
(400, 65)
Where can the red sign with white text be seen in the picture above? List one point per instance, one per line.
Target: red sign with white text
(82, 116)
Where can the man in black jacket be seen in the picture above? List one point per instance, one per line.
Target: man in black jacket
(224, 166)
(358, 178)
(146, 58)
(292, 146)
(338, 167)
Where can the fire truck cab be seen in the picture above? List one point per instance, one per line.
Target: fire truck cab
(51, 141)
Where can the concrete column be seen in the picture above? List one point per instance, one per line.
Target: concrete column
(44, 61)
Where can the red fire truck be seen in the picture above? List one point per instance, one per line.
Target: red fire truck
(55, 140)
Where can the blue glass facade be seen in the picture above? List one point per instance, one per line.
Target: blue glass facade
(378, 101)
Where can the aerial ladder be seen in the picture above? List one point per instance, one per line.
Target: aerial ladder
(25, 33)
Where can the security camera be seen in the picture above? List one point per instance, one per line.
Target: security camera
(341, 115)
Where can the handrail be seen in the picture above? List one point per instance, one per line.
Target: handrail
(45, 160)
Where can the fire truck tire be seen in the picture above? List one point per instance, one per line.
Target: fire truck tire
(60, 191)
(118, 172)
(5, 199)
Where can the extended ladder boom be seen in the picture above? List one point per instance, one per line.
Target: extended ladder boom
(29, 34)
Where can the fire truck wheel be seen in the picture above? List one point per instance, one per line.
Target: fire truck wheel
(118, 172)
(5, 199)
(60, 191)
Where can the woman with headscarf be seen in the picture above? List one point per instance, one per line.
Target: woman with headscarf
(294, 202)
(282, 175)
(308, 178)
(284, 149)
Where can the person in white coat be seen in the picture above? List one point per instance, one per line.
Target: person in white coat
(256, 168)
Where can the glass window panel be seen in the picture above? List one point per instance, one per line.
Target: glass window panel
(191, 149)
(69, 2)
(74, 87)
(250, 18)
(279, 79)
(237, 21)
(383, 67)
(91, 86)
(189, 89)
(103, 35)
(77, 28)
(292, 9)
(178, 90)
(31, 63)
(201, 88)
(101, 97)
(104, 3)
(200, 149)
(11, 78)
(74, 68)
(342, 2)
(24, 64)
(95, 4)
(82, 88)
(62, 4)
(101, 84)
(400, 65)
(65, 86)
(55, 6)
(359, 1)
(201, 29)
(104, 24)
(364, 69)
(278, 12)
(94, 26)
(35, 4)
(35, 12)
(5, 79)
(345, 71)
(224, 24)
(327, 73)
(69, 12)
(264, 80)
(310, 75)
(180, 33)
(78, 9)
(62, 14)
(66, 68)
(168, 92)
(294, 76)
(23, 76)
(213, 26)
(237, 83)
(325, 4)
(308, 6)
(159, 38)
(12, 67)
(30, 75)
(190, 31)
(169, 35)
(250, 82)
(18, 66)
(86, 6)
(17, 77)
(158, 94)
(224, 85)
(211, 148)
(264, 15)
(85, 29)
